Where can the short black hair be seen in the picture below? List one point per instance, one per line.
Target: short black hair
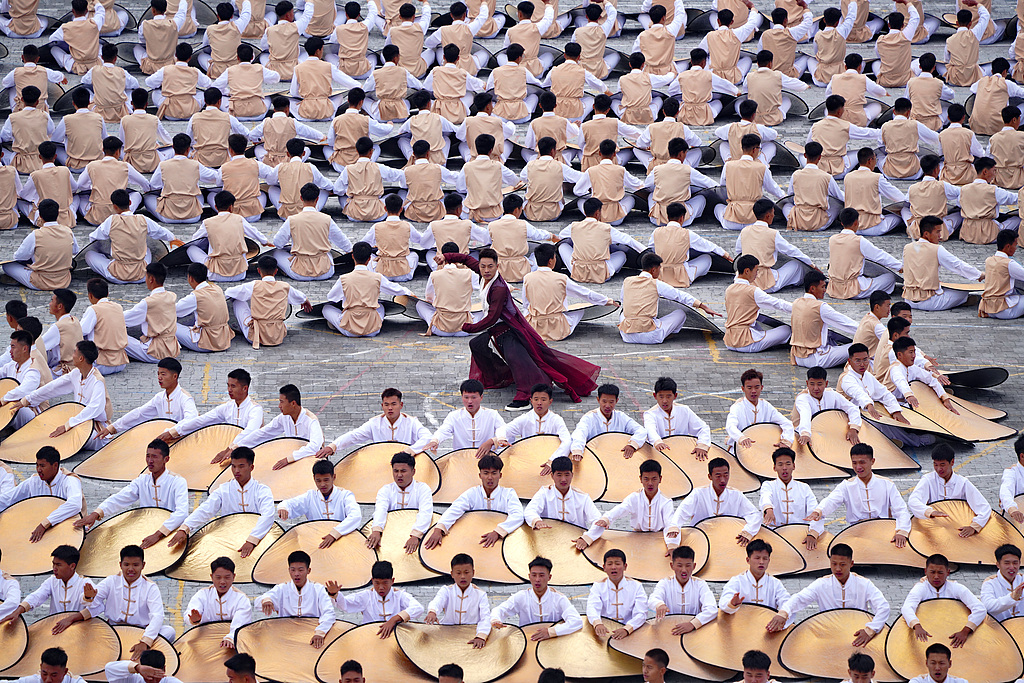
(299, 557)
(540, 562)
(490, 462)
(861, 662)
(452, 670)
(241, 376)
(54, 656)
(244, 453)
(608, 390)
(242, 664)
(758, 545)
(222, 563)
(49, 454)
(471, 386)
(351, 666)
(562, 463)
(755, 659)
(132, 551)
(382, 569)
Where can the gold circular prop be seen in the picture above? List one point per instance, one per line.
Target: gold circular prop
(191, 455)
(917, 421)
(976, 408)
(21, 446)
(1015, 627)
(966, 425)
(22, 557)
(386, 663)
(7, 412)
(347, 561)
(527, 669)
(681, 453)
(13, 641)
(200, 655)
(758, 458)
(571, 567)
(589, 654)
(658, 633)
(624, 473)
(723, 642)
(989, 656)
(122, 459)
(729, 559)
(829, 444)
(431, 647)
(102, 546)
(939, 534)
(407, 566)
(832, 631)
(89, 645)
(816, 560)
(464, 537)
(646, 551)
(521, 472)
(365, 470)
(281, 647)
(292, 480)
(871, 540)
(129, 636)
(222, 537)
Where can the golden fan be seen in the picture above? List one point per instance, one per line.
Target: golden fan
(646, 551)
(939, 534)
(13, 641)
(431, 647)
(464, 537)
(729, 558)
(386, 662)
(624, 473)
(966, 425)
(21, 557)
(658, 633)
(407, 566)
(292, 480)
(281, 646)
(829, 444)
(571, 567)
(200, 656)
(365, 470)
(102, 546)
(191, 455)
(222, 537)
(527, 669)
(88, 644)
(917, 421)
(722, 642)
(589, 654)
(123, 458)
(8, 412)
(832, 631)
(871, 540)
(347, 561)
(129, 636)
(681, 453)
(816, 560)
(22, 445)
(976, 408)
(758, 457)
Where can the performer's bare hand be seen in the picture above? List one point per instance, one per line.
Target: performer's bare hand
(662, 447)
(439, 259)
(943, 380)
(710, 311)
(137, 649)
(769, 517)
(701, 453)
(166, 437)
(900, 540)
(601, 631)
(581, 544)
(628, 451)
(246, 549)
(862, 638)
(545, 469)
(489, 539)
(742, 540)
(324, 452)
(540, 634)
(853, 436)
(221, 456)
(736, 601)
(960, 637)
(777, 623)
(151, 540)
(681, 629)
(177, 539)
(576, 457)
(478, 643)
(898, 416)
(433, 540)
(412, 544)
(37, 534)
(280, 464)
(308, 308)
(327, 541)
(373, 540)
(65, 623)
(949, 406)
(810, 542)
(804, 439)
(194, 617)
(58, 431)
(815, 516)
(967, 531)
(913, 402)
(619, 634)
(1018, 517)
(388, 627)
(747, 442)
(542, 525)
(317, 641)
(938, 513)
(604, 523)
(268, 607)
(150, 673)
(662, 610)
(873, 411)
(86, 521)
(1018, 592)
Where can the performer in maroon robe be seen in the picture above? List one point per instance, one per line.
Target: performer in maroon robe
(525, 359)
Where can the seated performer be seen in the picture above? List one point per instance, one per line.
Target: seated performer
(847, 253)
(453, 227)
(173, 403)
(145, 138)
(178, 178)
(450, 85)
(390, 83)
(936, 585)
(427, 125)
(294, 421)
(866, 496)
(905, 370)
(128, 234)
(312, 84)
(488, 496)
(605, 418)
(992, 95)
(262, 306)
(830, 43)
(560, 500)
(50, 479)
(865, 189)
(744, 332)
(541, 420)
(1006, 146)
(485, 121)
(855, 87)
(546, 297)
(287, 180)
(210, 128)
(602, 127)
(668, 418)
(670, 595)
(462, 602)
(674, 243)
(979, 204)
(304, 242)
(446, 305)
(672, 182)
(26, 130)
(1001, 593)
(241, 177)
(785, 500)
(30, 370)
(394, 237)
(55, 181)
(75, 45)
(638, 104)
(157, 317)
(748, 181)
(1012, 483)
(30, 72)
(391, 425)
(764, 88)
(589, 257)
(815, 323)
(715, 500)
(382, 602)
(276, 131)
(44, 259)
(158, 35)
(638, 320)
(287, 598)
(221, 601)
(893, 49)
(539, 603)
(359, 293)
(482, 182)
(61, 336)
(104, 176)
(752, 409)
(175, 87)
(156, 487)
(648, 509)
(959, 147)
(403, 493)
(461, 32)
(818, 397)
(241, 494)
(207, 308)
(781, 39)
(65, 590)
(929, 97)
(842, 589)
(901, 139)
(760, 240)
(944, 484)
(616, 597)
(243, 85)
(750, 122)
(1002, 273)
(754, 586)
(921, 262)
(511, 237)
(723, 44)
(463, 428)
(608, 182)
(652, 147)
(360, 185)
(834, 133)
(117, 604)
(85, 383)
(599, 24)
(871, 330)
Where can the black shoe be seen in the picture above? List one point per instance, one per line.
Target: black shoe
(517, 406)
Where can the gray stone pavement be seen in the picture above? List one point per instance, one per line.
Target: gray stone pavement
(341, 378)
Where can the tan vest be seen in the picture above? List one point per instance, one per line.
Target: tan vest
(315, 81)
(31, 74)
(28, 131)
(268, 309)
(140, 141)
(212, 318)
(997, 285)
(591, 249)
(277, 131)
(595, 131)
(490, 26)
(291, 176)
(257, 25)
(227, 251)
(392, 83)
(900, 137)
(179, 91)
(990, 30)
(736, 132)
(592, 39)
(831, 51)
(51, 260)
(606, 181)
(845, 264)
(743, 184)
(894, 51)
(83, 138)
(963, 68)
(853, 87)
(807, 324)
(833, 135)
(671, 184)
(636, 98)
(70, 334)
(283, 44)
(810, 199)
(324, 14)
(639, 304)
(109, 99)
(552, 127)
(567, 83)
(920, 273)
(739, 11)
(1007, 148)
(861, 189)
(224, 40)
(128, 233)
(179, 198)
(958, 166)
(427, 126)
(659, 48)
(450, 229)
(365, 188)
(361, 289)
(460, 36)
(758, 240)
(765, 88)
(528, 36)
(423, 203)
(695, 86)
(489, 125)
(162, 324)
(24, 20)
(311, 243)
(988, 103)
(409, 39)
(741, 313)
(453, 298)
(110, 333)
(508, 238)
(449, 89)
(83, 39)
(861, 33)
(8, 197)
(161, 36)
(545, 290)
(483, 188)
(1018, 56)
(780, 42)
(927, 198)
(979, 207)
(392, 238)
(245, 82)
(107, 174)
(925, 93)
(348, 128)
(922, 30)
(210, 130)
(660, 134)
(54, 182)
(865, 335)
(672, 244)
(352, 42)
(544, 194)
(241, 177)
(723, 53)
(510, 90)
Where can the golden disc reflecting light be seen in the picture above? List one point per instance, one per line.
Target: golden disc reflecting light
(730, 559)
(645, 551)
(527, 670)
(281, 647)
(989, 655)
(347, 561)
(681, 453)
(723, 642)
(831, 632)
(966, 425)
(585, 655)
(129, 636)
(192, 454)
(464, 537)
(21, 557)
(407, 566)
(571, 567)
(123, 458)
(939, 534)
(365, 470)
(200, 656)
(918, 422)
(816, 560)
(624, 473)
(658, 634)
(22, 445)
(102, 546)
(222, 537)
(1015, 627)
(758, 457)
(872, 544)
(7, 412)
(829, 444)
(431, 647)
(976, 408)
(88, 644)
(290, 481)
(13, 641)
(382, 660)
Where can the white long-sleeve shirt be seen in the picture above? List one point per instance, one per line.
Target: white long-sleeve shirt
(828, 593)
(283, 238)
(995, 595)
(877, 498)
(665, 291)
(178, 405)
(807, 407)
(769, 592)
(694, 598)
(932, 487)
(233, 606)
(473, 84)
(248, 230)
(406, 429)
(1010, 486)
(269, 77)
(798, 32)
(61, 596)
(583, 185)
(375, 608)
(531, 424)
(134, 178)
(902, 375)
(305, 426)
(388, 175)
(434, 39)
(26, 251)
(338, 77)
(1016, 279)
(872, 253)
(477, 234)
(594, 423)
(98, 18)
(207, 176)
(743, 413)
(414, 235)
(768, 184)
(644, 515)
(63, 486)
(121, 672)
(387, 287)
(856, 132)
(682, 420)
(700, 181)
(530, 609)
(870, 87)
(229, 498)
(624, 130)
(865, 389)
(137, 604)
(782, 246)
(468, 431)
(575, 507)
(743, 33)
(311, 600)
(455, 607)
(923, 590)
(302, 131)
(248, 415)
(833, 190)
(10, 593)
(626, 603)
(243, 292)
(502, 499)
(703, 503)
(28, 379)
(417, 496)
(7, 132)
(1012, 89)
(789, 503)
(340, 506)
(697, 243)
(169, 492)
